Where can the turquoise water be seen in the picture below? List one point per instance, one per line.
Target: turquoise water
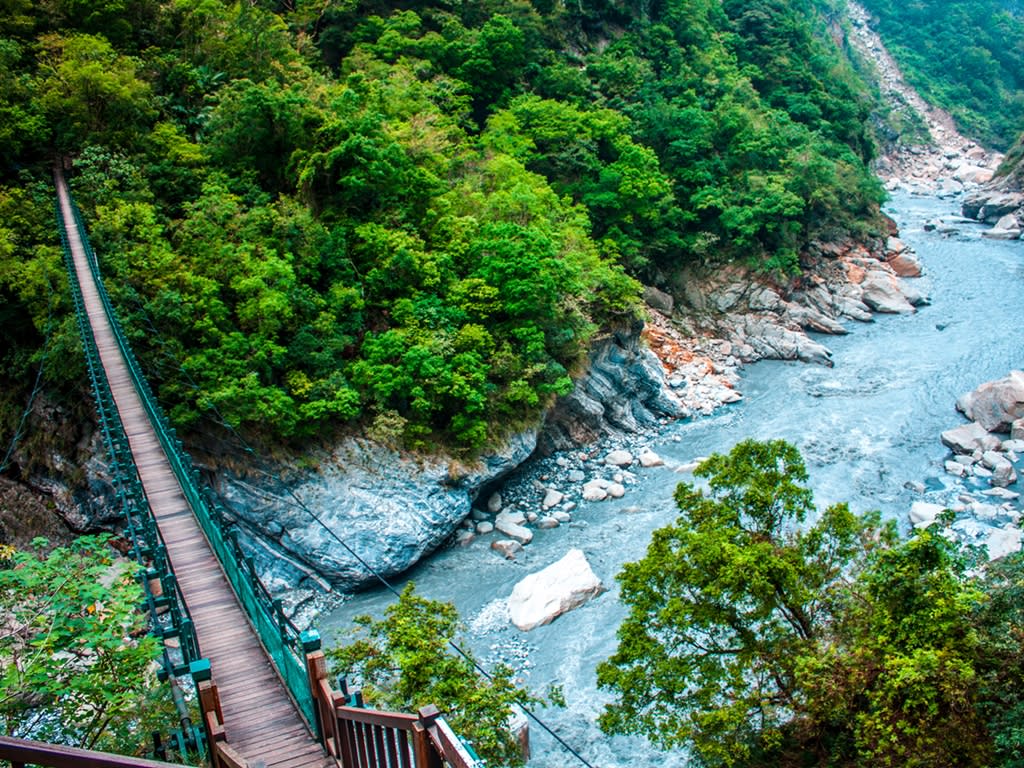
(866, 427)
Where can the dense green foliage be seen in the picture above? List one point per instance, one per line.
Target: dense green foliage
(76, 664)
(403, 662)
(319, 214)
(966, 56)
(758, 639)
(1013, 166)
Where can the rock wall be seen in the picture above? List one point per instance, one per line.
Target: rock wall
(624, 391)
(57, 482)
(389, 509)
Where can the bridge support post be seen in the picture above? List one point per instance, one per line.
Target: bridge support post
(209, 708)
(423, 749)
(323, 703)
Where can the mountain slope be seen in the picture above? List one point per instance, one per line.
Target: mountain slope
(360, 216)
(965, 56)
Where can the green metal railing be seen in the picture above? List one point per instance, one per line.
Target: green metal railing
(168, 614)
(283, 641)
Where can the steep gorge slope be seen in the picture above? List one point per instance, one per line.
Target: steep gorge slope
(965, 56)
(323, 222)
(944, 154)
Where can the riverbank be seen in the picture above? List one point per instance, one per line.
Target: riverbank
(868, 428)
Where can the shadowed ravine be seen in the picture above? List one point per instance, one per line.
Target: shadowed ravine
(866, 427)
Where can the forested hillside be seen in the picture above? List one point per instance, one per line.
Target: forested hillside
(408, 218)
(966, 56)
(1013, 167)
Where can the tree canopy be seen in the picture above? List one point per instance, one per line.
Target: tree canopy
(403, 662)
(359, 215)
(762, 632)
(77, 663)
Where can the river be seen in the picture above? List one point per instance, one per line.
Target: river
(867, 428)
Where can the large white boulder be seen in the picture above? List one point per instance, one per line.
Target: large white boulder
(545, 595)
(1003, 541)
(923, 514)
(881, 292)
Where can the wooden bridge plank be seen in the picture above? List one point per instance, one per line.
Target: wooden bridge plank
(258, 711)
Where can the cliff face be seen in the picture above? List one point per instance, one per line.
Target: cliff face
(624, 391)
(55, 482)
(391, 509)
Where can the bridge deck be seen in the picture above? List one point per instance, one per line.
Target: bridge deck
(260, 719)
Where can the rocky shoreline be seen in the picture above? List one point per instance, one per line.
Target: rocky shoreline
(985, 455)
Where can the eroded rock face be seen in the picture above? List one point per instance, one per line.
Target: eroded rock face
(390, 509)
(623, 392)
(543, 596)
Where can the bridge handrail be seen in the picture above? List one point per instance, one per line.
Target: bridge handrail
(22, 752)
(285, 643)
(365, 738)
(147, 543)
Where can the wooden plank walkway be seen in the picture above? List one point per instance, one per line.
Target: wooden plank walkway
(261, 721)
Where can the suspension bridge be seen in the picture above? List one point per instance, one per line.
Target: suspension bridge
(261, 684)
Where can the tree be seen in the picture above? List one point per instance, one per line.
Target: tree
(895, 680)
(76, 660)
(758, 639)
(403, 662)
(1001, 682)
(90, 94)
(724, 604)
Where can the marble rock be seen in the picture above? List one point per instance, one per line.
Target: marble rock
(503, 524)
(552, 498)
(1003, 541)
(881, 292)
(543, 596)
(966, 438)
(596, 490)
(619, 459)
(507, 548)
(923, 513)
(1017, 430)
(649, 458)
